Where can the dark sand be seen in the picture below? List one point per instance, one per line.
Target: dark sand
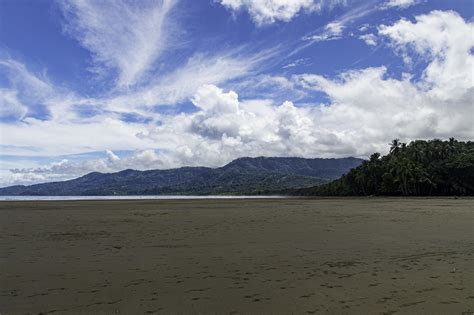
(334, 256)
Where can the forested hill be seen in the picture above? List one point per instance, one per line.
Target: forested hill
(261, 175)
(421, 168)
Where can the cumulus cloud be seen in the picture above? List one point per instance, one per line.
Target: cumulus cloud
(368, 104)
(270, 11)
(445, 40)
(369, 39)
(225, 128)
(265, 12)
(211, 99)
(125, 36)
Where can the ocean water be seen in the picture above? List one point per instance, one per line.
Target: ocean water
(171, 197)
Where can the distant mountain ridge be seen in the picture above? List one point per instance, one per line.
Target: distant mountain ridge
(261, 175)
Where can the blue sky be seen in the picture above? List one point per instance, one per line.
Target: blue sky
(106, 85)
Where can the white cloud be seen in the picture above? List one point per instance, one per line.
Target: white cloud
(125, 36)
(65, 131)
(111, 156)
(50, 137)
(181, 84)
(332, 31)
(66, 169)
(265, 12)
(297, 63)
(335, 29)
(10, 107)
(32, 95)
(369, 106)
(225, 128)
(364, 27)
(369, 39)
(25, 89)
(270, 11)
(370, 109)
(277, 88)
(211, 99)
(444, 39)
(402, 4)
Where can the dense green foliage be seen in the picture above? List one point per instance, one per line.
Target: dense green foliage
(262, 175)
(421, 168)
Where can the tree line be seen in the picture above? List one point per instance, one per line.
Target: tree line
(420, 168)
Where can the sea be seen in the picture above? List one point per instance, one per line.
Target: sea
(161, 197)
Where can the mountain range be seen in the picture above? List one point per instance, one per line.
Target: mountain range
(261, 175)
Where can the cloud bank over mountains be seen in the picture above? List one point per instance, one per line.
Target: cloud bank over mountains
(358, 111)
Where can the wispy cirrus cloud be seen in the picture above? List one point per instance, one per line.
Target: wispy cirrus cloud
(10, 106)
(27, 94)
(336, 28)
(23, 93)
(331, 31)
(19, 77)
(127, 37)
(400, 4)
(181, 84)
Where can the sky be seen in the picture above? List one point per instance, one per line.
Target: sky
(88, 85)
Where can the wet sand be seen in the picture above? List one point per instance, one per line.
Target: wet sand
(325, 256)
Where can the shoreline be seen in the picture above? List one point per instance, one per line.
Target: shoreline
(139, 197)
(213, 197)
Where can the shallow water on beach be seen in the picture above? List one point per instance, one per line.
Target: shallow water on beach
(164, 197)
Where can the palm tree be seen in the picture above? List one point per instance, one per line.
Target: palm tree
(395, 146)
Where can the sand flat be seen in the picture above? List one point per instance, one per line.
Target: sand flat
(282, 256)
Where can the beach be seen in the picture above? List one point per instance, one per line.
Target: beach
(238, 256)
